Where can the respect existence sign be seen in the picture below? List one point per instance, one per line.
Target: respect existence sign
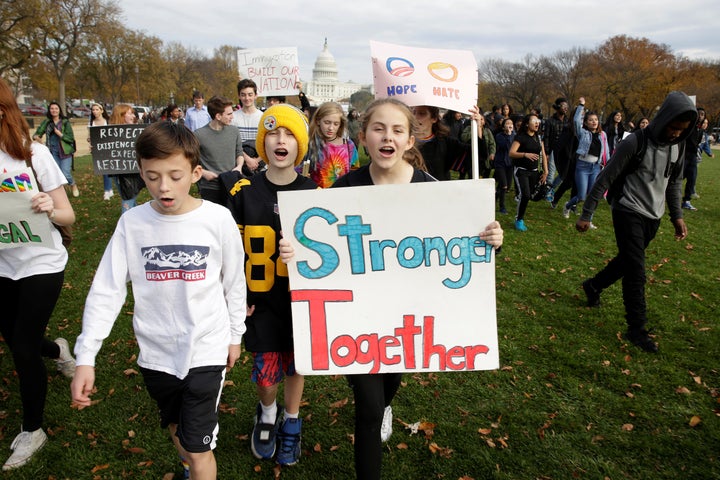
(387, 278)
(20, 226)
(113, 148)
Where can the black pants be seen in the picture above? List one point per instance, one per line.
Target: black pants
(27, 306)
(503, 180)
(690, 173)
(633, 233)
(372, 394)
(526, 180)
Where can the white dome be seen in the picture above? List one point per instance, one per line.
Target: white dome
(325, 66)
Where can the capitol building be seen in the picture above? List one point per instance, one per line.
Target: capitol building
(325, 86)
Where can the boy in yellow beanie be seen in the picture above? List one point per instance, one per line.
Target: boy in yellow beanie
(282, 142)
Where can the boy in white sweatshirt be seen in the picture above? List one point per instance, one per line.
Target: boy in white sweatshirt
(184, 258)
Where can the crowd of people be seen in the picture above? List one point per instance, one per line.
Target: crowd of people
(240, 158)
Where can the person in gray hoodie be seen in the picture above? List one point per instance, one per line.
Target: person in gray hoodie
(639, 183)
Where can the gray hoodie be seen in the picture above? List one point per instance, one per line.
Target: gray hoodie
(645, 187)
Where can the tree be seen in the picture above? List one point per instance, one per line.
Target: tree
(521, 83)
(18, 19)
(361, 99)
(64, 32)
(566, 72)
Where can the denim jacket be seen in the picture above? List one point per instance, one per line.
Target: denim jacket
(584, 137)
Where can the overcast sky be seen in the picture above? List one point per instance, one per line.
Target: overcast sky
(507, 29)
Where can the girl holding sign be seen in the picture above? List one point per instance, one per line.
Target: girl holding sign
(129, 184)
(388, 132)
(31, 278)
(60, 140)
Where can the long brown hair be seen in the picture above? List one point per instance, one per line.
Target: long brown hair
(412, 155)
(14, 130)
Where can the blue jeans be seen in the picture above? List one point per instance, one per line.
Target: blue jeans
(107, 183)
(585, 175)
(65, 165)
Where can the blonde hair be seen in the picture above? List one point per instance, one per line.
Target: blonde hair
(412, 155)
(316, 141)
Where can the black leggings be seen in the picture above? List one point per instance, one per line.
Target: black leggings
(28, 304)
(372, 394)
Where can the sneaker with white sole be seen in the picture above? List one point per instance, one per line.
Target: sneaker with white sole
(386, 427)
(289, 437)
(25, 445)
(65, 362)
(263, 439)
(566, 211)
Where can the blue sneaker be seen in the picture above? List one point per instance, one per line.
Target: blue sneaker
(262, 442)
(520, 225)
(289, 437)
(550, 195)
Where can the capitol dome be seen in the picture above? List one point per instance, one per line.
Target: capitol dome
(325, 67)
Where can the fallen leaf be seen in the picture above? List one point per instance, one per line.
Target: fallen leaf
(168, 476)
(97, 468)
(628, 427)
(130, 371)
(340, 403)
(401, 446)
(277, 470)
(683, 390)
(317, 448)
(136, 450)
(484, 431)
(694, 421)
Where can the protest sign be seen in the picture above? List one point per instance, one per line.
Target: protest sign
(422, 76)
(20, 226)
(113, 148)
(392, 278)
(274, 70)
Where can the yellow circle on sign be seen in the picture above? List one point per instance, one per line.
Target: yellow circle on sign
(435, 66)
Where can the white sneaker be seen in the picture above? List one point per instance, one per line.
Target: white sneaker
(108, 194)
(593, 226)
(25, 445)
(566, 212)
(386, 427)
(65, 362)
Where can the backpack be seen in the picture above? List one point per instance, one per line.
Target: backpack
(615, 190)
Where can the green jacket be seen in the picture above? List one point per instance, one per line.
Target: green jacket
(67, 141)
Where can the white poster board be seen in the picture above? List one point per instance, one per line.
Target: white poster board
(392, 278)
(20, 226)
(276, 71)
(423, 76)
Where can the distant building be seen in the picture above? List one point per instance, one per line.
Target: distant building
(325, 86)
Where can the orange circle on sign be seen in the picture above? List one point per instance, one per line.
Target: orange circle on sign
(442, 66)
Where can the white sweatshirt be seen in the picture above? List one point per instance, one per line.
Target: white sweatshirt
(188, 284)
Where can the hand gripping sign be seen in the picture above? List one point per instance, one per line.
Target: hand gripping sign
(389, 279)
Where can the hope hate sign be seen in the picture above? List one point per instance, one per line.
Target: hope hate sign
(275, 71)
(113, 148)
(20, 226)
(422, 76)
(386, 278)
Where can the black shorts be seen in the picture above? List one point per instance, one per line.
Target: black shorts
(190, 403)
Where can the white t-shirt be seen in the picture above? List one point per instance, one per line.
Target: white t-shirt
(22, 262)
(247, 123)
(188, 282)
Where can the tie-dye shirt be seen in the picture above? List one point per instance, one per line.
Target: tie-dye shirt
(334, 162)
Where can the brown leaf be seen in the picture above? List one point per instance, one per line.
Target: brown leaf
(317, 448)
(694, 421)
(334, 447)
(682, 390)
(484, 431)
(402, 446)
(130, 371)
(340, 403)
(97, 468)
(131, 433)
(257, 468)
(136, 450)
(441, 451)
(697, 296)
(146, 463)
(628, 427)
(168, 476)
(277, 470)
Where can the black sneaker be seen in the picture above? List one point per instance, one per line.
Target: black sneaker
(593, 295)
(641, 338)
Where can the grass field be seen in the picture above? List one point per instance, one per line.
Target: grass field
(572, 400)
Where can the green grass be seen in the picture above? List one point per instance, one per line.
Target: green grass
(571, 400)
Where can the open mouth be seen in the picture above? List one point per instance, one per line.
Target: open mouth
(387, 150)
(280, 153)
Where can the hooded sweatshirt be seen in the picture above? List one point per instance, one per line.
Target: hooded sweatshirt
(657, 178)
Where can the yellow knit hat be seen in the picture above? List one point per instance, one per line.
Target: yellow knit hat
(283, 115)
